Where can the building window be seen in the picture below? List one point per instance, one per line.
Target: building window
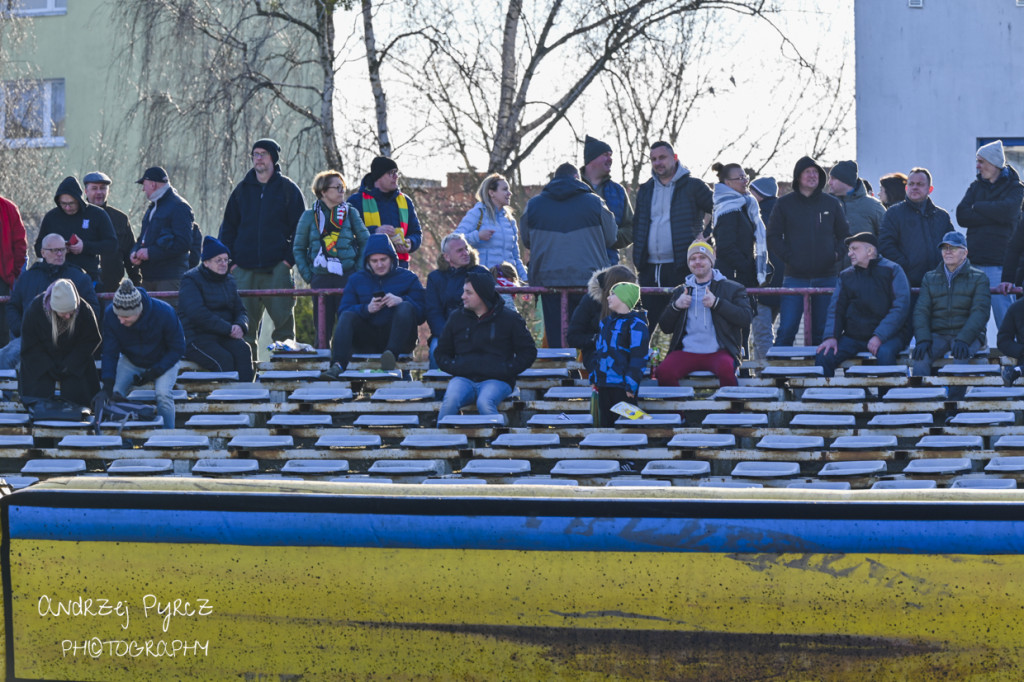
(32, 113)
(35, 8)
(1013, 149)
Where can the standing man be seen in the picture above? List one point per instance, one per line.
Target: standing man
(952, 311)
(13, 249)
(989, 212)
(568, 230)
(444, 285)
(484, 346)
(115, 264)
(387, 210)
(807, 231)
(86, 228)
(762, 328)
(869, 310)
(258, 229)
(864, 213)
(596, 172)
(670, 210)
(161, 253)
(913, 228)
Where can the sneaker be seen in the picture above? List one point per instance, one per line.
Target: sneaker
(387, 361)
(1010, 375)
(333, 372)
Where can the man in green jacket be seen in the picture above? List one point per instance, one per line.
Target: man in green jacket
(952, 309)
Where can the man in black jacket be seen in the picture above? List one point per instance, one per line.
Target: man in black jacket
(161, 252)
(912, 229)
(807, 231)
(116, 263)
(86, 228)
(485, 346)
(258, 229)
(670, 210)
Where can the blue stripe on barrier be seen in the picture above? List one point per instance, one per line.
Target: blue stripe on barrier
(540, 533)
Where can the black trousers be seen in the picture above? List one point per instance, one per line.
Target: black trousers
(221, 354)
(353, 333)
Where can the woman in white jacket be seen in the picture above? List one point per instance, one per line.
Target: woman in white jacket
(490, 228)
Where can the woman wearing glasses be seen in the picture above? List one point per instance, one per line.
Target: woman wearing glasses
(329, 242)
(212, 315)
(739, 232)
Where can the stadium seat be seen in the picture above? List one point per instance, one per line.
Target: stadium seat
(821, 485)
(984, 483)
(315, 467)
(774, 442)
(676, 468)
(345, 441)
(700, 441)
(148, 467)
(526, 440)
(938, 465)
(496, 467)
(729, 419)
(762, 469)
(903, 484)
(53, 467)
(614, 440)
(225, 467)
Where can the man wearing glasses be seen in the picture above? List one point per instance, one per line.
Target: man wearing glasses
(258, 229)
(86, 228)
(387, 210)
(34, 281)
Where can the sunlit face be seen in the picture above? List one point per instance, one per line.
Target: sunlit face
(387, 182)
(882, 196)
(953, 256)
(663, 162)
(128, 320)
(986, 170)
(218, 264)
(918, 187)
(501, 195)
(54, 249)
(457, 253)
(380, 264)
(601, 166)
(809, 179)
(861, 253)
(471, 300)
(737, 180)
(68, 204)
(96, 193)
(262, 161)
(700, 266)
(148, 187)
(616, 305)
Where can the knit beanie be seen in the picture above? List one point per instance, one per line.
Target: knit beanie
(127, 300)
(845, 172)
(593, 148)
(380, 167)
(63, 296)
(483, 285)
(269, 146)
(701, 247)
(212, 247)
(765, 186)
(993, 153)
(628, 293)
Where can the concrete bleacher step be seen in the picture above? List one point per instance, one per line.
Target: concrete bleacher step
(315, 467)
(820, 485)
(225, 467)
(904, 484)
(140, 467)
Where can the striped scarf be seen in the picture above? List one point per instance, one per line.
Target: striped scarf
(371, 216)
(328, 224)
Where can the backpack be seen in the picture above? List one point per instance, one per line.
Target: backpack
(55, 409)
(122, 412)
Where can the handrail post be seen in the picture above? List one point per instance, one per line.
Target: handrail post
(564, 313)
(807, 319)
(321, 312)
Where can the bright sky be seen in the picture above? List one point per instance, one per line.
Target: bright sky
(745, 117)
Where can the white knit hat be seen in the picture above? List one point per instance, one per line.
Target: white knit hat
(993, 153)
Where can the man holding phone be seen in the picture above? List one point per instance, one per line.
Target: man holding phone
(380, 311)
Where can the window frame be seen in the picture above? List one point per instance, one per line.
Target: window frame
(33, 142)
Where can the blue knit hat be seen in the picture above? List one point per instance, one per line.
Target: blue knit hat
(213, 247)
(765, 186)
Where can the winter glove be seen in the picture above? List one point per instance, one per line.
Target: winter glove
(922, 350)
(960, 350)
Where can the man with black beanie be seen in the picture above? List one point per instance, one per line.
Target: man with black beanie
(484, 346)
(596, 172)
(388, 210)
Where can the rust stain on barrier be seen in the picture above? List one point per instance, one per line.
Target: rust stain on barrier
(694, 535)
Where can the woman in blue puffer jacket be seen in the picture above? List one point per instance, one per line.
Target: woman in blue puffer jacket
(490, 228)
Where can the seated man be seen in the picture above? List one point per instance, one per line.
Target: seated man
(1010, 340)
(869, 310)
(484, 346)
(35, 281)
(952, 310)
(60, 335)
(706, 316)
(444, 285)
(142, 342)
(380, 310)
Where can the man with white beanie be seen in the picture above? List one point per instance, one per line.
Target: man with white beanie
(989, 211)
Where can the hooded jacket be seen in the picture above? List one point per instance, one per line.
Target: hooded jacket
(808, 233)
(1010, 338)
(691, 199)
(260, 219)
(623, 348)
(864, 213)
(167, 236)
(989, 212)
(585, 323)
(13, 242)
(364, 283)
(568, 230)
(69, 360)
(910, 237)
(731, 313)
(90, 223)
(208, 303)
(871, 301)
(496, 345)
(36, 279)
(444, 290)
(155, 341)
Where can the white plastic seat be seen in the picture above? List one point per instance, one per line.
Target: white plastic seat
(407, 467)
(982, 418)
(239, 395)
(881, 442)
(876, 371)
(320, 394)
(544, 480)
(653, 420)
(176, 442)
(938, 465)
(903, 484)
(823, 421)
(435, 440)
(833, 394)
(665, 392)
(53, 467)
(791, 443)
(637, 483)
(676, 468)
(244, 441)
(299, 420)
(698, 441)
(1005, 464)
(762, 469)
(985, 483)
(471, 420)
(915, 393)
(403, 394)
(219, 421)
(820, 485)
(226, 467)
(150, 466)
(614, 440)
(901, 420)
(526, 440)
(497, 467)
(863, 467)
(563, 419)
(785, 372)
(387, 420)
(747, 393)
(585, 467)
(729, 419)
(336, 441)
(950, 443)
(315, 467)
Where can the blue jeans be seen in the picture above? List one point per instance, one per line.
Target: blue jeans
(126, 373)
(848, 348)
(461, 391)
(1000, 302)
(10, 355)
(791, 309)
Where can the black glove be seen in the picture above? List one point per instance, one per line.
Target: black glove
(146, 377)
(922, 350)
(960, 350)
(99, 401)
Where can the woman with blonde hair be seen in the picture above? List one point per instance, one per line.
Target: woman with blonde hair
(490, 228)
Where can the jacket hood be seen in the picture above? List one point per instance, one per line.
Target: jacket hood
(691, 279)
(803, 164)
(1007, 173)
(681, 172)
(595, 286)
(69, 185)
(366, 185)
(444, 266)
(565, 188)
(379, 243)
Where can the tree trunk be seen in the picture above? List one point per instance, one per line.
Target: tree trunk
(329, 140)
(380, 103)
(503, 135)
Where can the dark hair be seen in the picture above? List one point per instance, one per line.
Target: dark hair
(724, 170)
(611, 277)
(662, 143)
(868, 186)
(567, 170)
(917, 169)
(895, 185)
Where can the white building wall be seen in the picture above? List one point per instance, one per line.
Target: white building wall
(931, 81)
